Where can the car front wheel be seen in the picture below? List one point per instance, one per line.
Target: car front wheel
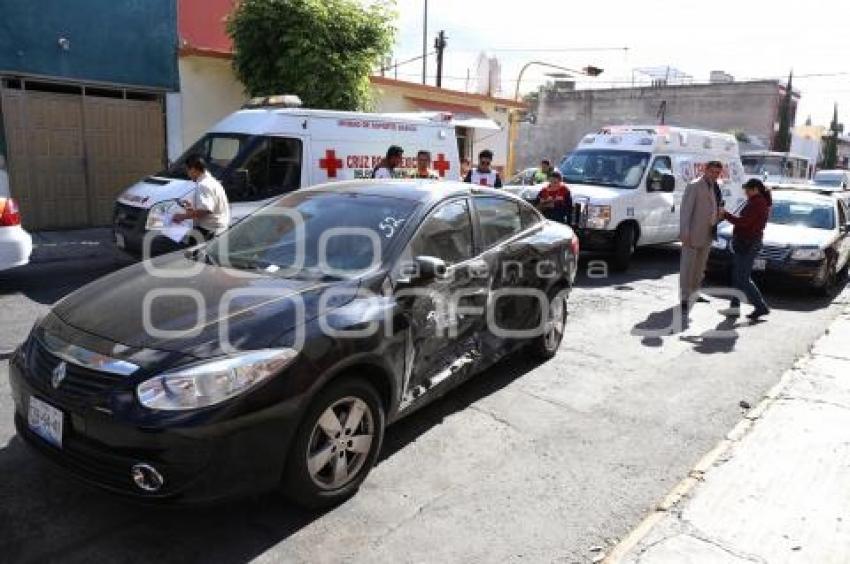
(337, 444)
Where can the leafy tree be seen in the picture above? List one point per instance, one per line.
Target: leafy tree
(321, 50)
(782, 142)
(830, 158)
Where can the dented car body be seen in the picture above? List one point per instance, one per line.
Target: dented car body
(276, 355)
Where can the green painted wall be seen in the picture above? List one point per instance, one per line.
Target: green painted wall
(130, 42)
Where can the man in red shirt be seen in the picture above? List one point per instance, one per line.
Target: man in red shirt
(555, 200)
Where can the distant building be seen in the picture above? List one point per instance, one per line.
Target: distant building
(474, 114)
(563, 116)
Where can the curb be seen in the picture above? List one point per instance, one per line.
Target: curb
(696, 475)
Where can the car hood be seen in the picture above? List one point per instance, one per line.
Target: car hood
(191, 315)
(153, 190)
(777, 235)
(596, 194)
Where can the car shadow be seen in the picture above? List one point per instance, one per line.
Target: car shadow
(48, 282)
(48, 516)
(648, 263)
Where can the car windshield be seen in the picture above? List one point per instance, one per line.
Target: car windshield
(830, 179)
(218, 150)
(803, 214)
(619, 169)
(762, 164)
(314, 235)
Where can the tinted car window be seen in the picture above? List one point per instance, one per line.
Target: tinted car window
(500, 219)
(284, 165)
(446, 234)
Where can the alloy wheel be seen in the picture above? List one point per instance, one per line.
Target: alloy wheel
(340, 443)
(554, 329)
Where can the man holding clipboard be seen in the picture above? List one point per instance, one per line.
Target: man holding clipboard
(210, 210)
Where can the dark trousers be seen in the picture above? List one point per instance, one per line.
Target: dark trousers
(743, 256)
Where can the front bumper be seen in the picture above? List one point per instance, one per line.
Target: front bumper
(203, 456)
(596, 240)
(785, 269)
(128, 232)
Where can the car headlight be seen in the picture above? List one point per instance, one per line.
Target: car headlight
(720, 244)
(598, 217)
(212, 382)
(159, 213)
(807, 253)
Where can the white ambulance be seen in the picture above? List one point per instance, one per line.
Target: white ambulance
(263, 151)
(627, 183)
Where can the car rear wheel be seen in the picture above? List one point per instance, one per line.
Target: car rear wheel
(546, 345)
(337, 444)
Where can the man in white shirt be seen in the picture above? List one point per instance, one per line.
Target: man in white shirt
(483, 175)
(386, 168)
(210, 210)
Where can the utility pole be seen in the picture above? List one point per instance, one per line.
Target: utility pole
(425, 45)
(440, 46)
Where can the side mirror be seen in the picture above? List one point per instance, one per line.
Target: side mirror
(422, 270)
(668, 183)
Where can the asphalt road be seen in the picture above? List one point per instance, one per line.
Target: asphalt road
(524, 463)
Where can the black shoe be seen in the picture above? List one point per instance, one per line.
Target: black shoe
(758, 314)
(702, 300)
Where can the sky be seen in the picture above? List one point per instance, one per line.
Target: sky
(748, 39)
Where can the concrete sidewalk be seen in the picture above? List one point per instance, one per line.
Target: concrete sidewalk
(778, 488)
(73, 244)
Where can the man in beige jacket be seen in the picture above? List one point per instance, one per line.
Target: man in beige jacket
(700, 213)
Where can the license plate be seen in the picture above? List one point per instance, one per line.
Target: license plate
(46, 421)
(119, 241)
(759, 264)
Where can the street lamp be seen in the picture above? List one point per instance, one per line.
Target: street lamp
(512, 116)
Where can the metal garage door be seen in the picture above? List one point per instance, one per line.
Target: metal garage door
(73, 149)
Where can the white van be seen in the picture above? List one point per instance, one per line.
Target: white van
(627, 183)
(773, 168)
(261, 153)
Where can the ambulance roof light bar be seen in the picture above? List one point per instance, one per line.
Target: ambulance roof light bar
(277, 101)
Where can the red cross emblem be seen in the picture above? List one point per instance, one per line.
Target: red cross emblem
(441, 165)
(330, 163)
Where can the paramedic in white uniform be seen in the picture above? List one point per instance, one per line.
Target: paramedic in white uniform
(210, 210)
(483, 175)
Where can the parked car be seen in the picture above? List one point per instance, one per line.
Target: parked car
(15, 242)
(807, 240)
(833, 179)
(276, 355)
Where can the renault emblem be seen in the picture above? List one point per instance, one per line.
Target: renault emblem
(59, 374)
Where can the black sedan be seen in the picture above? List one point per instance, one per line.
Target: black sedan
(276, 355)
(807, 241)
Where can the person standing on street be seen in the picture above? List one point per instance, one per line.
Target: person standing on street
(423, 167)
(386, 168)
(555, 200)
(700, 214)
(483, 175)
(544, 172)
(210, 209)
(746, 244)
